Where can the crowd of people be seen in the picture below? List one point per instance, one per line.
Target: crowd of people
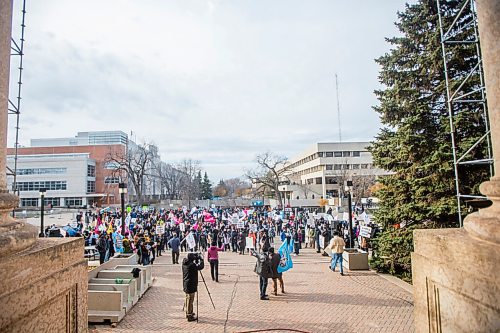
(149, 232)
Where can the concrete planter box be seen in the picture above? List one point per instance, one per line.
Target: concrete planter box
(355, 259)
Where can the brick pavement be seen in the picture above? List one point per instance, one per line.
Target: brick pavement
(316, 300)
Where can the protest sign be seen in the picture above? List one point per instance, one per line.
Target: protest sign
(365, 231)
(160, 229)
(191, 243)
(249, 243)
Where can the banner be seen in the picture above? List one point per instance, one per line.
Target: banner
(285, 259)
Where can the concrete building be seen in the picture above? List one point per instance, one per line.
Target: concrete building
(320, 172)
(73, 170)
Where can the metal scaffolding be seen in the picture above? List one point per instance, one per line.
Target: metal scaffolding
(17, 50)
(463, 32)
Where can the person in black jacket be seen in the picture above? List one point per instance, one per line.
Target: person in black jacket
(190, 267)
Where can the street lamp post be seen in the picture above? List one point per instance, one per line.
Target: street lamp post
(122, 189)
(42, 208)
(347, 188)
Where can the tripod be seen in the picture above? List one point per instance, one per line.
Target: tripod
(208, 291)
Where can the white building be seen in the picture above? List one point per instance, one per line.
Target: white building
(69, 179)
(320, 172)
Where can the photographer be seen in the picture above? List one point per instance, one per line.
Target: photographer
(190, 267)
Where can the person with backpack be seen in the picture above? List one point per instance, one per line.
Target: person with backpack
(102, 247)
(263, 269)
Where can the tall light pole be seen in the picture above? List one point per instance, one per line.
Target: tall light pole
(42, 208)
(122, 189)
(347, 188)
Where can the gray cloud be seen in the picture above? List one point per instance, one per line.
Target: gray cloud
(218, 81)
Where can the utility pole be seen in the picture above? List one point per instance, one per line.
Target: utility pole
(338, 107)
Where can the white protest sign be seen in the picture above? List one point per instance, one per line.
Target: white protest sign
(182, 226)
(191, 243)
(240, 224)
(249, 243)
(160, 229)
(365, 231)
(321, 242)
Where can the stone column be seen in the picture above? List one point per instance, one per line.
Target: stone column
(456, 285)
(14, 235)
(485, 224)
(43, 284)
(5, 34)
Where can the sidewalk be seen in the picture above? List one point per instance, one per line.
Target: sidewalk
(316, 300)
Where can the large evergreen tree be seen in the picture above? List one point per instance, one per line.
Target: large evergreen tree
(206, 188)
(414, 142)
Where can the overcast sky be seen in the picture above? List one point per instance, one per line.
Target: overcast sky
(218, 81)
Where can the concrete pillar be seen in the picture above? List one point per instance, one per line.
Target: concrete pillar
(485, 224)
(5, 35)
(14, 235)
(456, 285)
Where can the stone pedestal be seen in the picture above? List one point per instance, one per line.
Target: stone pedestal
(455, 281)
(44, 288)
(456, 271)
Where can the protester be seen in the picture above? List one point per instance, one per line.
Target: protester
(102, 247)
(263, 269)
(174, 244)
(190, 267)
(275, 275)
(213, 259)
(337, 246)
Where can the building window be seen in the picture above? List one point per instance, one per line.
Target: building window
(53, 201)
(356, 153)
(329, 154)
(29, 202)
(111, 180)
(70, 202)
(329, 167)
(346, 154)
(337, 154)
(41, 171)
(337, 166)
(90, 186)
(364, 166)
(355, 166)
(90, 170)
(50, 185)
(320, 154)
(346, 166)
(319, 181)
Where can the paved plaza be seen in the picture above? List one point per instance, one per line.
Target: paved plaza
(316, 300)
